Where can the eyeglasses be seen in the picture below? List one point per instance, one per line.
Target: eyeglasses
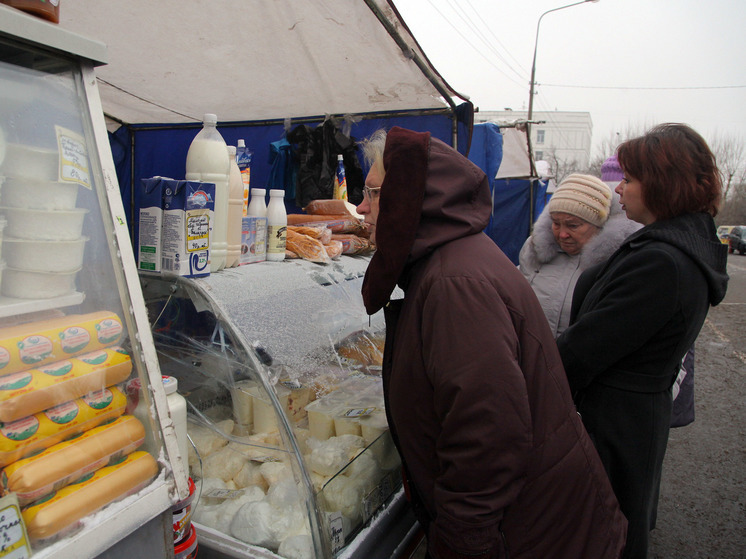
(370, 192)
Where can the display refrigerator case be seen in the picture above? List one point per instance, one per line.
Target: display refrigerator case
(281, 369)
(88, 478)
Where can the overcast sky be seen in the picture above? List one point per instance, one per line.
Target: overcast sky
(630, 63)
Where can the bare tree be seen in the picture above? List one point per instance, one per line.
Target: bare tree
(731, 159)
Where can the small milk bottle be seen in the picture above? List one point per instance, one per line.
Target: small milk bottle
(277, 223)
(207, 161)
(258, 209)
(235, 211)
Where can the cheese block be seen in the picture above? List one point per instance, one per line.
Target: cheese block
(65, 462)
(31, 434)
(33, 344)
(53, 514)
(321, 419)
(28, 392)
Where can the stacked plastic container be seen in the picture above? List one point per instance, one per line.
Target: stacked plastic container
(42, 244)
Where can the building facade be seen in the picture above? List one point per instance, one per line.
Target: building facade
(561, 138)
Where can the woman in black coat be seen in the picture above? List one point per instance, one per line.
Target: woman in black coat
(635, 316)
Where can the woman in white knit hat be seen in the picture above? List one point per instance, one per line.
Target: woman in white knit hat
(579, 227)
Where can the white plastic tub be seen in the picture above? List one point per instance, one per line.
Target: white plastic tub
(44, 256)
(44, 225)
(31, 162)
(39, 194)
(37, 285)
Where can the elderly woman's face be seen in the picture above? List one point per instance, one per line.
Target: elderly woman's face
(571, 232)
(369, 205)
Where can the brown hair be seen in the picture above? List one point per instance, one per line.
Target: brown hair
(676, 168)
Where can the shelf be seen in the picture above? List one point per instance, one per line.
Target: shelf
(10, 306)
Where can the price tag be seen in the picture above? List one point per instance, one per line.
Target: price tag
(73, 157)
(358, 412)
(14, 542)
(336, 532)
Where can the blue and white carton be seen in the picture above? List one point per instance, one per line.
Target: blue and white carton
(185, 223)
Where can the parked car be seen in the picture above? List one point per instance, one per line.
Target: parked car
(724, 233)
(737, 240)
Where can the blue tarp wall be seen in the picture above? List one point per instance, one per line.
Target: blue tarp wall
(511, 221)
(143, 151)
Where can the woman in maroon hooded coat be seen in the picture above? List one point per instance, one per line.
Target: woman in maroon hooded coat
(498, 462)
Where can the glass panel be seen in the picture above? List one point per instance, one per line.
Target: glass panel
(322, 420)
(65, 325)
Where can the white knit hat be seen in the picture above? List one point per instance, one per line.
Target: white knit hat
(584, 196)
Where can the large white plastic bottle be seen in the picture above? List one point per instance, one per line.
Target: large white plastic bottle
(207, 160)
(277, 224)
(235, 211)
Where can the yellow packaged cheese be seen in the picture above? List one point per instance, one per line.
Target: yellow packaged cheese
(28, 392)
(32, 344)
(40, 431)
(55, 513)
(59, 465)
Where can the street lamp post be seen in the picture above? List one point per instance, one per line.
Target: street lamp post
(533, 64)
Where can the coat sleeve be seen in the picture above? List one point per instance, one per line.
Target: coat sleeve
(471, 350)
(625, 312)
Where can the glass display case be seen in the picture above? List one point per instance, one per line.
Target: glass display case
(281, 369)
(73, 323)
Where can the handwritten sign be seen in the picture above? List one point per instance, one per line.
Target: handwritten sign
(14, 542)
(74, 166)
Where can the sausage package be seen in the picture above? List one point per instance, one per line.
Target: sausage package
(56, 513)
(32, 344)
(28, 392)
(59, 465)
(31, 434)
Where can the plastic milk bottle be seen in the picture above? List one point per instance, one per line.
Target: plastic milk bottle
(207, 160)
(235, 211)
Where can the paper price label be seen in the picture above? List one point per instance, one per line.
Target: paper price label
(336, 532)
(74, 165)
(13, 537)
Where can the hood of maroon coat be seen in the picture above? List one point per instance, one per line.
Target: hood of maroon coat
(431, 195)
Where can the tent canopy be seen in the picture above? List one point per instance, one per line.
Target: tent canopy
(172, 61)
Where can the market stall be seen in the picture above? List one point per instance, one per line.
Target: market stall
(290, 451)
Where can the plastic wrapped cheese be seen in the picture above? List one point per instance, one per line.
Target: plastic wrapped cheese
(28, 392)
(297, 547)
(40, 431)
(57, 466)
(224, 463)
(53, 514)
(279, 515)
(32, 344)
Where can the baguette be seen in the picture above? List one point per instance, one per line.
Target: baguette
(306, 247)
(65, 462)
(28, 392)
(60, 511)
